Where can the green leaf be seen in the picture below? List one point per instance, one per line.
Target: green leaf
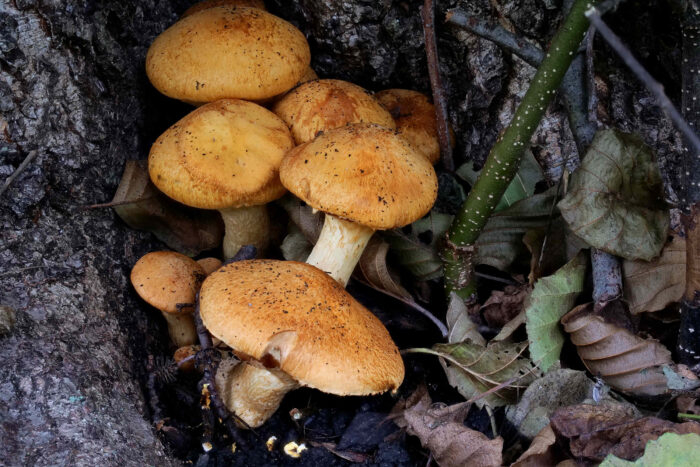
(668, 450)
(501, 240)
(295, 246)
(474, 369)
(419, 258)
(522, 186)
(615, 199)
(552, 297)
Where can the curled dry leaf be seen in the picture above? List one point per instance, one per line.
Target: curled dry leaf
(303, 216)
(295, 246)
(615, 199)
(625, 361)
(669, 449)
(594, 431)
(653, 285)
(541, 451)
(441, 430)
(142, 207)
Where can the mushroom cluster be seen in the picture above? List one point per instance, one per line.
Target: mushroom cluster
(363, 159)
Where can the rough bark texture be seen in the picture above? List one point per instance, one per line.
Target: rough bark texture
(72, 87)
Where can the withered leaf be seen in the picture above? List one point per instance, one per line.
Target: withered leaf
(295, 246)
(460, 325)
(303, 216)
(653, 285)
(615, 199)
(594, 431)
(441, 430)
(668, 449)
(540, 452)
(374, 268)
(504, 305)
(625, 361)
(141, 206)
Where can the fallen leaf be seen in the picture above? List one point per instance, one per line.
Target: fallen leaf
(551, 298)
(510, 327)
(540, 452)
(504, 305)
(522, 186)
(418, 257)
(375, 270)
(594, 431)
(680, 378)
(558, 388)
(625, 361)
(554, 241)
(460, 325)
(501, 241)
(615, 199)
(669, 449)
(295, 246)
(653, 285)
(440, 429)
(303, 216)
(142, 207)
(474, 370)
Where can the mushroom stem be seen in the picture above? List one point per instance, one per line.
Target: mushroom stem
(181, 328)
(254, 392)
(248, 225)
(339, 247)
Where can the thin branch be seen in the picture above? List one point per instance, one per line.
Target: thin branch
(439, 98)
(654, 86)
(27, 160)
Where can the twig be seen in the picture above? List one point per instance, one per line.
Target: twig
(439, 99)
(497, 34)
(112, 204)
(504, 158)
(412, 304)
(654, 86)
(27, 160)
(690, 416)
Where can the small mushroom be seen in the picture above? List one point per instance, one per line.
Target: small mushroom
(294, 326)
(210, 264)
(206, 4)
(170, 281)
(324, 104)
(414, 115)
(184, 357)
(365, 178)
(225, 155)
(227, 52)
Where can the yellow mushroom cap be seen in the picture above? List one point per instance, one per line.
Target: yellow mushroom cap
(225, 154)
(294, 315)
(210, 264)
(414, 115)
(206, 4)
(364, 173)
(325, 104)
(227, 52)
(165, 279)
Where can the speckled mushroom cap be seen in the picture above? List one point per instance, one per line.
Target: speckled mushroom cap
(414, 115)
(205, 4)
(364, 173)
(166, 278)
(325, 104)
(227, 52)
(296, 315)
(223, 154)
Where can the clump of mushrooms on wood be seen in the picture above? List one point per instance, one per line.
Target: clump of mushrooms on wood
(331, 143)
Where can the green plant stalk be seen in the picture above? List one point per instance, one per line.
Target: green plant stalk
(504, 158)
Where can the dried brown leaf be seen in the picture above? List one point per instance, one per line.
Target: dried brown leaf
(625, 361)
(375, 270)
(541, 452)
(459, 322)
(141, 206)
(502, 306)
(594, 431)
(303, 216)
(441, 430)
(651, 286)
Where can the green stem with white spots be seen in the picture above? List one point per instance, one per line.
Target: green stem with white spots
(504, 158)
